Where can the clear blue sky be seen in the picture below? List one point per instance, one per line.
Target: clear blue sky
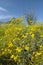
(17, 8)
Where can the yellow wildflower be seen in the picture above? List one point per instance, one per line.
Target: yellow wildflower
(24, 36)
(38, 53)
(32, 29)
(26, 47)
(12, 56)
(9, 51)
(40, 47)
(15, 57)
(18, 49)
(33, 52)
(10, 44)
(32, 35)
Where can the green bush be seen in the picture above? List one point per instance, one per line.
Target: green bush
(21, 44)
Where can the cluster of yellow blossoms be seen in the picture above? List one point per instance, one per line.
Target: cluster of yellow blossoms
(21, 44)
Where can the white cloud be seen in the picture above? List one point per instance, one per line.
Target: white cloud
(3, 9)
(5, 17)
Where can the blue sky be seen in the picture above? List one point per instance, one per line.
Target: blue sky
(17, 8)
